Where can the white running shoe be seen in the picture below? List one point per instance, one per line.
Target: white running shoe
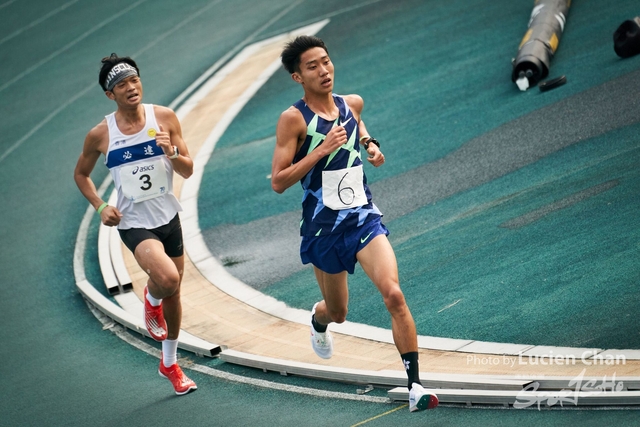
(322, 342)
(421, 399)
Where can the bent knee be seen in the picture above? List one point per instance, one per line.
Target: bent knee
(394, 299)
(169, 281)
(338, 316)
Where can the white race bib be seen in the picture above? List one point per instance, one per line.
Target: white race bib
(144, 181)
(344, 188)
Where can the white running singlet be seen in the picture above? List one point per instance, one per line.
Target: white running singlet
(142, 175)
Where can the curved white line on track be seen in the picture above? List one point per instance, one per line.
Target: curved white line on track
(215, 273)
(84, 91)
(121, 333)
(46, 120)
(185, 93)
(199, 253)
(37, 21)
(204, 77)
(83, 231)
(81, 243)
(7, 3)
(321, 18)
(69, 45)
(141, 345)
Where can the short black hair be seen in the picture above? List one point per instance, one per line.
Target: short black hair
(108, 62)
(295, 48)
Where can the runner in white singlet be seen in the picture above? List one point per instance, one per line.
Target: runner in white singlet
(143, 147)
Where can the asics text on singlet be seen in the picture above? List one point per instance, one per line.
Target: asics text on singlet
(142, 175)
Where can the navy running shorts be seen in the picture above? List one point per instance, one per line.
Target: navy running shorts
(334, 253)
(170, 235)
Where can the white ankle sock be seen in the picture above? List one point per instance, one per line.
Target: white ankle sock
(169, 352)
(153, 301)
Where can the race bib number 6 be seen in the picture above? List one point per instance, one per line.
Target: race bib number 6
(145, 181)
(344, 188)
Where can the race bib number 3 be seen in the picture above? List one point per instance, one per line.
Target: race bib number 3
(344, 188)
(144, 181)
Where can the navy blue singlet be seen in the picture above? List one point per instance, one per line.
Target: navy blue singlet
(317, 219)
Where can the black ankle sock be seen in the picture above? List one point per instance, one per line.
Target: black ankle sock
(410, 361)
(317, 326)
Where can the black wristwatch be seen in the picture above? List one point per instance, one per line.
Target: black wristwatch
(371, 141)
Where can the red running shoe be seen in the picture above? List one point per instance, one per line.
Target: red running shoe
(154, 320)
(181, 383)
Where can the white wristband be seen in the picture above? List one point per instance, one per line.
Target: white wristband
(175, 155)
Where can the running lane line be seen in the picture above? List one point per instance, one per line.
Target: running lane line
(37, 21)
(70, 45)
(122, 333)
(92, 86)
(380, 416)
(6, 4)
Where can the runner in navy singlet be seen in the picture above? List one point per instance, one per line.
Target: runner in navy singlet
(318, 143)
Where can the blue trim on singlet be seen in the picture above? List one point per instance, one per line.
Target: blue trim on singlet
(133, 153)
